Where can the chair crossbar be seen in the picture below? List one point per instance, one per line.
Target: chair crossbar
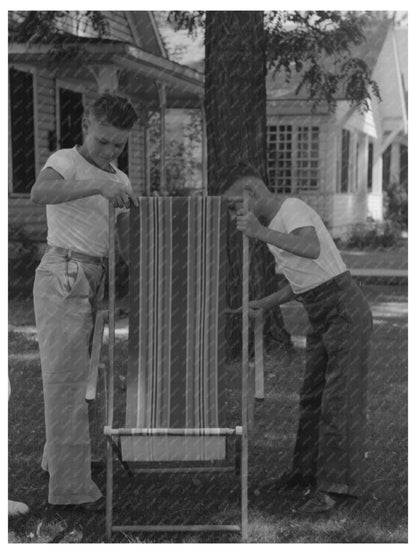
(175, 528)
(148, 431)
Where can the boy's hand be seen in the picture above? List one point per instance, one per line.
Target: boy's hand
(248, 223)
(260, 304)
(118, 192)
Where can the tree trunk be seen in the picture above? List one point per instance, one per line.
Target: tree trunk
(235, 105)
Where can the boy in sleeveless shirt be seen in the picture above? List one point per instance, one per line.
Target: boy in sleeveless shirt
(329, 449)
(76, 185)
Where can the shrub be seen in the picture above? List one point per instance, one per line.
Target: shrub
(395, 201)
(373, 235)
(23, 259)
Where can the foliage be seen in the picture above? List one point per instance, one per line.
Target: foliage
(317, 46)
(23, 258)
(60, 29)
(47, 26)
(21, 244)
(183, 166)
(372, 235)
(395, 199)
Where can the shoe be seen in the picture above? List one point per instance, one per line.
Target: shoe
(292, 480)
(320, 502)
(97, 464)
(17, 508)
(97, 506)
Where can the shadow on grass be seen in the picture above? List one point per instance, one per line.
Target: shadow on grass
(380, 516)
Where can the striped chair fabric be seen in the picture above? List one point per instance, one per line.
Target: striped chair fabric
(178, 269)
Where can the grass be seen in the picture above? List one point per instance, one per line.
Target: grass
(380, 516)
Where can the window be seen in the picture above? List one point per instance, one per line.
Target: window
(307, 164)
(345, 160)
(387, 166)
(123, 160)
(70, 115)
(22, 130)
(403, 164)
(370, 167)
(293, 158)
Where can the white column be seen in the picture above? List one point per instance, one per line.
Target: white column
(146, 154)
(106, 77)
(161, 87)
(395, 163)
(204, 150)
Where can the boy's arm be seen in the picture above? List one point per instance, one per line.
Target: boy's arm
(283, 295)
(51, 188)
(302, 242)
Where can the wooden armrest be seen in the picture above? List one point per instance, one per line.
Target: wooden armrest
(101, 318)
(251, 313)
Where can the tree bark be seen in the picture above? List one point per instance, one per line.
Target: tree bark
(235, 105)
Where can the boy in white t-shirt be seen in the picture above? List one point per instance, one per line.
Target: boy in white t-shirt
(77, 184)
(329, 450)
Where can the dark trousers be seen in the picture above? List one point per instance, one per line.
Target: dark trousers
(333, 399)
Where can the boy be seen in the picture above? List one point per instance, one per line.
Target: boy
(329, 448)
(77, 185)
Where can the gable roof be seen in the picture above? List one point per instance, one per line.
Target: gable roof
(132, 27)
(278, 87)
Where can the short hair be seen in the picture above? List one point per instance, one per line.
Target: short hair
(241, 169)
(113, 110)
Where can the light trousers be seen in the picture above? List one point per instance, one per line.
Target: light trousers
(66, 296)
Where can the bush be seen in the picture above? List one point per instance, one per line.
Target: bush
(395, 201)
(373, 235)
(23, 259)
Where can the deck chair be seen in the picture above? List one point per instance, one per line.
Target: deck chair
(176, 350)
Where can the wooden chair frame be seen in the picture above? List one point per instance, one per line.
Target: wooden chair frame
(240, 432)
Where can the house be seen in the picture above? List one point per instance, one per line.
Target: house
(337, 161)
(51, 83)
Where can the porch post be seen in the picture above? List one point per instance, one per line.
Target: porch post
(146, 148)
(161, 87)
(106, 77)
(395, 163)
(204, 150)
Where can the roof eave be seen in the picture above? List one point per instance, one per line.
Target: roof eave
(125, 55)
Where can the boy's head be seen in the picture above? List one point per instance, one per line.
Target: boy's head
(113, 110)
(106, 126)
(244, 178)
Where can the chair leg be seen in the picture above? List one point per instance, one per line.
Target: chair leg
(109, 491)
(251, 394)
(244, 486)
(238, 456)
(258, 355)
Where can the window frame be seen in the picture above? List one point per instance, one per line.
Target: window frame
(293, 162)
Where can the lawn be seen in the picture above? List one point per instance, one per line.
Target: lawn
(380, 516)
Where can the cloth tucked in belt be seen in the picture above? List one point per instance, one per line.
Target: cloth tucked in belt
(336, 283)
(78, 256)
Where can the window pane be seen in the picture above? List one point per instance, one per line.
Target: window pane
(345, 159)
(279, 157)
(22, 130)
(307, 158)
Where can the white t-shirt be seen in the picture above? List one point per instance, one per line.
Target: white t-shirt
(80, 225)
(303, 273)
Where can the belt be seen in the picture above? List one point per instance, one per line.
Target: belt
(78, 256)
(334, 283)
